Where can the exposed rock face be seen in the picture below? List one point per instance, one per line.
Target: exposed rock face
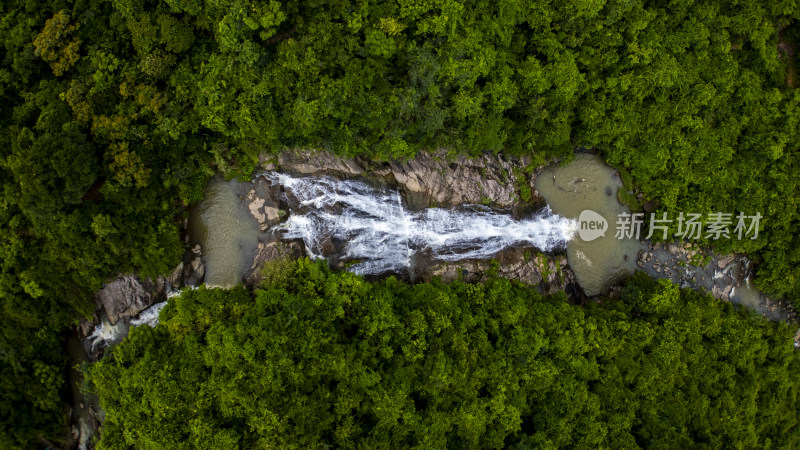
(725, 261)
(263, 202)
(432, 179)
(488, 179)
(194, 270)
(725, 277)
(127, 296)
(175, 278)
(429, 179)
(85, 327)
(550, 273)
(309, 162)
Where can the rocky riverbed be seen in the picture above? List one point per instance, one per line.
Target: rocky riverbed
(427, 181)
(437, 179)
(433, 180)
(726, 277)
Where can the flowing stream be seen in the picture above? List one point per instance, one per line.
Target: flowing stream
(370, 226)
(367, 228)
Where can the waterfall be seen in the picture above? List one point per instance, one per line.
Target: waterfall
(149, 316)
(105, 334)
(374, 228)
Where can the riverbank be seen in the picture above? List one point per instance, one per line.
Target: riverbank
(242, 225)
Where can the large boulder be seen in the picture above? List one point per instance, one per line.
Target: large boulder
(263, 202)
(428, 179)
(194, 270)
(127, 296)
(175, 278)
(311, 162)
(489, 179)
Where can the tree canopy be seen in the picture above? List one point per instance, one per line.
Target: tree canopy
(328, 359)
(114, 113)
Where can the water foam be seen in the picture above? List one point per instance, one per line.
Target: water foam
(149, 316)
(105, 334)
(383, 236)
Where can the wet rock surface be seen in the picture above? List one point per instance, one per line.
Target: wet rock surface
(271, 251)
(193, 268)
(122, 301)
(550, 273)
(263, 202)
(128, 295)
(434, 179)
(724, 276)
(429, 179)
(309, 162)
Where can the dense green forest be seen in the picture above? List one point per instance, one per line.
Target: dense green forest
(318, 359)
(113, 114)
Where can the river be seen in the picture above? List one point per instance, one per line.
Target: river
(366, 226)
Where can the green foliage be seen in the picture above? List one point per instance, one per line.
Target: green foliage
(277, 273)
(31, 379)
(522, 185)
(114, 113)
(328, 359)
(51, 46)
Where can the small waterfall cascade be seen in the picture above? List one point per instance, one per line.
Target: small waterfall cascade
(372, 227)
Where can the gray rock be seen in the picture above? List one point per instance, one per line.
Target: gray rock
(194, 270)
(488, 179)
(723, 261)
(549, 273)
(428, 179)
(466, 271)
(175, 278)
(675, 249)
(127, 296)
(85, 327)
(262, 207)
(310, 162)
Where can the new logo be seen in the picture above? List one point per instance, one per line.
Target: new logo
(591, 225)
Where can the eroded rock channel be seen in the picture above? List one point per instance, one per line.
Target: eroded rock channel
(431, 217)
(436, 216)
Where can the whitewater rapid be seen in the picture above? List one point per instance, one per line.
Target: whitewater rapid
(376, 231)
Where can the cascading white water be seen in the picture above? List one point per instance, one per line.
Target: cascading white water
(149, 316)
(105, 334)
(378, 232)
